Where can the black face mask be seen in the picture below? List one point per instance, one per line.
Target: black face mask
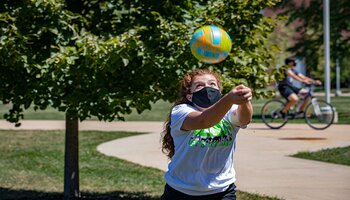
(206, 97)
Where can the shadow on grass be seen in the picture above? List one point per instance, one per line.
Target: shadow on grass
(11, 194)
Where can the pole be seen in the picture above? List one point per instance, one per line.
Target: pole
(326, 38)
(337, 71)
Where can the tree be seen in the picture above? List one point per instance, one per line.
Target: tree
(103, 58)
(309, 27)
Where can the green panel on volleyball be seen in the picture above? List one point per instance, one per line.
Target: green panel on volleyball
(210, 44)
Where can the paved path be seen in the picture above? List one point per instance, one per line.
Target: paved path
(262, 162)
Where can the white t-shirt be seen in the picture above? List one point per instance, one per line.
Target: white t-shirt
(203, 162)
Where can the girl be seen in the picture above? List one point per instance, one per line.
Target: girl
(200, 138)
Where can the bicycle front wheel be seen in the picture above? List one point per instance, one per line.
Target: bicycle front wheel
(319, 115)
(270, 114)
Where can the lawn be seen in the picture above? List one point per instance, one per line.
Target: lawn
(161, 109)
(31, 167)
(340, 155)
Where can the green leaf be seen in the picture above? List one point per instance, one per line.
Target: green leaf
(125, 61)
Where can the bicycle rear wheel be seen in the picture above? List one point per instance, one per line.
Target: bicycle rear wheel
(319, 115)
(270, 114)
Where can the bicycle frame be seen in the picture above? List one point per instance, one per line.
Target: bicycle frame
(314, 102)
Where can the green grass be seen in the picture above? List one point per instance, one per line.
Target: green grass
(340, 155)
(161, 109)
(31, 167)
(30, 113)
(342, 106)
(159, 112)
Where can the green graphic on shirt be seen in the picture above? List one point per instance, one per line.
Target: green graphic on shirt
(218, 135)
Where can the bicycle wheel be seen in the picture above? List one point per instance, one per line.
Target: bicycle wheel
(270, 114)
(319, 114)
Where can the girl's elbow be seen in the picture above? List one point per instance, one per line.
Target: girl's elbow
(245, 122)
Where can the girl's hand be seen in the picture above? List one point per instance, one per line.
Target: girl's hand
(240, 94)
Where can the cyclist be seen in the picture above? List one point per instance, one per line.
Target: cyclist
(289, 91)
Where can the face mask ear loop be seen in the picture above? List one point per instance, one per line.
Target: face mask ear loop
(186, 99)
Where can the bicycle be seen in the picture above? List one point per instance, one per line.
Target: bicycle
(318, 114)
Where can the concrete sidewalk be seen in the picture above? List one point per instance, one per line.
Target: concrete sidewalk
(262, 162)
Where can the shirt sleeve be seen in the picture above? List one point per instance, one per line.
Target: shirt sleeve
(232, 117)
(178, 116)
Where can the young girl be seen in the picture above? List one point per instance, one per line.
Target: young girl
(200, 138)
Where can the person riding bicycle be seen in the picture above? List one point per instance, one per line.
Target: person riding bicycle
(291, 92)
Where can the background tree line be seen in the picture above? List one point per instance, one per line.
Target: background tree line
(304, 30)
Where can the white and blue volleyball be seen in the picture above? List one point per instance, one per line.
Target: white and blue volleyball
(210, 44)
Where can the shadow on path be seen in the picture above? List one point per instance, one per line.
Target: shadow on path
(303, 138)
(11, 194)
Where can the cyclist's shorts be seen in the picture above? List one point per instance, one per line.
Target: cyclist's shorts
(286, 90)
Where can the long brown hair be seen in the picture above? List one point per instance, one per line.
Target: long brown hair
(168, 147)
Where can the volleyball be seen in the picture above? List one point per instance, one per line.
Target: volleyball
(210, 44)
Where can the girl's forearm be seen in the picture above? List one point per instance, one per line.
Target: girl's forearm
(215, 113)
(245, 113)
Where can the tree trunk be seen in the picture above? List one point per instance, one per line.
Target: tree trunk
(71, 159)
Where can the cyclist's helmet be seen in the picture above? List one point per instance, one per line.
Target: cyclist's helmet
(288, 60)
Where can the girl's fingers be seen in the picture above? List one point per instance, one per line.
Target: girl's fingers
(247, 95)
(242, 94)
(240, 87)
(243, 91)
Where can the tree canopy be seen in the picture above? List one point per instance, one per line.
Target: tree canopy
(102, 58)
